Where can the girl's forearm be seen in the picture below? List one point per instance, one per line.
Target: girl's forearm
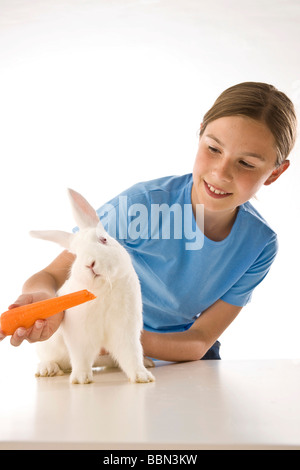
(50, 279)
(40, 282)
(181, 346)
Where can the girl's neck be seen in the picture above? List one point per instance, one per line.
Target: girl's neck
(217, 226)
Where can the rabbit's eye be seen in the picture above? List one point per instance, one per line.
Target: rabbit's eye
(102, 240)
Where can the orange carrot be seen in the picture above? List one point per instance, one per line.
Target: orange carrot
(26, 315)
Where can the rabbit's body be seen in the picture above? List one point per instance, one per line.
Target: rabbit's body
(112, 321)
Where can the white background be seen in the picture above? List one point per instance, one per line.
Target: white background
(97, 95)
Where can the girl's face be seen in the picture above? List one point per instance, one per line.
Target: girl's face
(236, 156)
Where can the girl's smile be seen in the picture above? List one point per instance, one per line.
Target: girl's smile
(214, 192)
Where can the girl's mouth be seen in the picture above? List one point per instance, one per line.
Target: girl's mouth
(215, 192)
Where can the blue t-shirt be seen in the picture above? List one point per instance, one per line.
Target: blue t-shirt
(182, 276)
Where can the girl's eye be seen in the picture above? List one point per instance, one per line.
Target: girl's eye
(246, 165)
(213, 149)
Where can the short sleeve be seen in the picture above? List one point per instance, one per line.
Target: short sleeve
(241, 292)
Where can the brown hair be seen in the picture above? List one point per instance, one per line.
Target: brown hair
(261, 102)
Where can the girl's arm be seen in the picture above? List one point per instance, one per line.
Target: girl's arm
(192, 344)
(41, 286)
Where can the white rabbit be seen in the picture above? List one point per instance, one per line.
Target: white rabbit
(112, 321)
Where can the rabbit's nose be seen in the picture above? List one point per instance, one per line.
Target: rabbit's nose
(91, 265)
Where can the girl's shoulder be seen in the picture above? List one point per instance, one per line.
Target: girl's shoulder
(164, 184)
(143, 192)
(251, 217)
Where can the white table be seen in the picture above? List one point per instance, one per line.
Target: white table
(195, 405)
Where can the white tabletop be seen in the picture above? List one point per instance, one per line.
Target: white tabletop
(195, 405)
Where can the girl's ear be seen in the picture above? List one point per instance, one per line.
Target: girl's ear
(277, 172)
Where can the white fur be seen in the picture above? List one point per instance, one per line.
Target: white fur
(112, 321)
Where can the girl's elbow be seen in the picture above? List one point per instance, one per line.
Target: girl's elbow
(198, 351)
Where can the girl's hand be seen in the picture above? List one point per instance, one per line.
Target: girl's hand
(42, 329)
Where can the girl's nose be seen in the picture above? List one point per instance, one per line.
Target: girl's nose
(222, 171)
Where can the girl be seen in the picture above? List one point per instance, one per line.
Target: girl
(191, 296)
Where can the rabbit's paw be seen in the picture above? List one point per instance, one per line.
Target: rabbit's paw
(48, 369)
(144, 376)
(81, 377)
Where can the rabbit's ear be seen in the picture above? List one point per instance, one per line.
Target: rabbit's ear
(84, 214)
(62, 238)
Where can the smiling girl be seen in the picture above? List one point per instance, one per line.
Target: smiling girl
(191, 296)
